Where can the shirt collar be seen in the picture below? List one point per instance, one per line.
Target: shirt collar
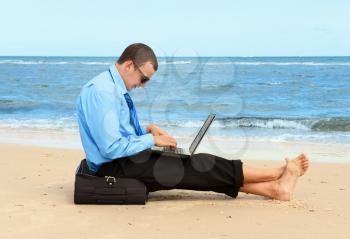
(118, 81)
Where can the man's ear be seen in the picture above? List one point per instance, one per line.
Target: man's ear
(129, 65)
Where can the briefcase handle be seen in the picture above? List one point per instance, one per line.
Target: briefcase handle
(110, 180)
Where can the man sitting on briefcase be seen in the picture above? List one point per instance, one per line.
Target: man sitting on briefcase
(115, 143)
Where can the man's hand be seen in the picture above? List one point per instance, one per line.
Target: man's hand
(155, 130)
(165, 140)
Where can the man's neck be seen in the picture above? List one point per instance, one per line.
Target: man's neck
(120, 70)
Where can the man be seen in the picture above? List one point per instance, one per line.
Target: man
(115, 144)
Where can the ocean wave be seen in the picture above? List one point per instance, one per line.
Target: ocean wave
(174, 62)
(213, 87)
(219, 63)
(274, 83)
(321, 125)
(95, 63)
(24, 62)
(332, 124)
(292, 129)
(62, 124)
(41, 62)
(269, 123)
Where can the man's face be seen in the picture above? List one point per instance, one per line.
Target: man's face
(137, 76)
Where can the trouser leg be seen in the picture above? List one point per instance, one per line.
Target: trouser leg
(203, 172)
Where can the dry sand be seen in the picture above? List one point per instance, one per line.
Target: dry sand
(37, 202)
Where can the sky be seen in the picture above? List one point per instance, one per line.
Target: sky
(176, 28)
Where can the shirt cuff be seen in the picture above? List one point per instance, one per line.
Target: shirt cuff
(148, 140)
(144, 131)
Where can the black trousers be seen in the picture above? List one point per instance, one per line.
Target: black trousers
(203, 172)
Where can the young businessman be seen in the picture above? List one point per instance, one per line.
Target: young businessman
(116, 144)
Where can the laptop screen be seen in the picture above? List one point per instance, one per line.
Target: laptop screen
(201, 133)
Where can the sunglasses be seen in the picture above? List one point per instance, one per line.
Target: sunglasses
(144, 78)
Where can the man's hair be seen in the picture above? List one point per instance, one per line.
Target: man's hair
(139, 53)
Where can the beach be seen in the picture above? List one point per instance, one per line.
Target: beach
(37, 200)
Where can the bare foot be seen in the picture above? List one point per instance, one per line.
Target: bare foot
(286, 183)
(303, 163)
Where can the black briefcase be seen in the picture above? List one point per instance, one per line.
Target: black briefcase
(90, 189)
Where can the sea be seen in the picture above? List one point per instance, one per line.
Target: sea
(267, 98)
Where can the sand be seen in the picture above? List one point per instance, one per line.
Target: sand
(37, 201)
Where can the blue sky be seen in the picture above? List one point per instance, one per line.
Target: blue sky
(177, 28)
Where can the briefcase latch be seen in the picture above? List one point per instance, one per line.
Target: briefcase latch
(110, 180)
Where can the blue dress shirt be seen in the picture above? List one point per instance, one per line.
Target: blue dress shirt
(106, 130)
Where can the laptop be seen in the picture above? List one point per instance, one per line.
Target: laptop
(194, 145)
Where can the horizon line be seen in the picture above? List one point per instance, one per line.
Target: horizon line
(162, 56)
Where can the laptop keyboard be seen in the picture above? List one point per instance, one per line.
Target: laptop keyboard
(173, 150)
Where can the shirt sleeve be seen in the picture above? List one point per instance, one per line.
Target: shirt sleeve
(144, 131)
(102, 113)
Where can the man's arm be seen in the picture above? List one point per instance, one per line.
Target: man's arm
(155, 130)
(102, 112)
